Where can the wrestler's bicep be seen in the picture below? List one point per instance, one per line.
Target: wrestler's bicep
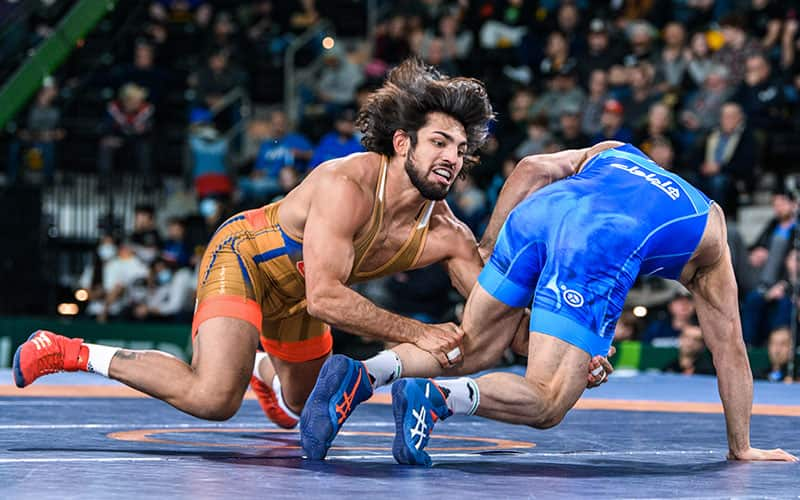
(334, 218)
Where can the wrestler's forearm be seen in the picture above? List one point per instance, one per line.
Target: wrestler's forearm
(347, 310)
(735, 382)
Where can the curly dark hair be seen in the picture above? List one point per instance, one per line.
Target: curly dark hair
(412, 91)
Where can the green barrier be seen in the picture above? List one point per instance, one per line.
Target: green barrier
(172, 338)
(50, 54)
(637, 356)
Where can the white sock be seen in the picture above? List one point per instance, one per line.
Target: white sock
(463, 397)
(256, 372)
(100, 358)
(276, 386)
(385, 367)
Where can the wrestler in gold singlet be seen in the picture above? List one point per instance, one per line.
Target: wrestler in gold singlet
(253, 270)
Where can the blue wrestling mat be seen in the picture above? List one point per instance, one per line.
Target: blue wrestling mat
(644, 436)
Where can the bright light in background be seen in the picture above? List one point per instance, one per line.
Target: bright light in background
(328, 42)
(640, 311)
(81, 295)
(68, 309)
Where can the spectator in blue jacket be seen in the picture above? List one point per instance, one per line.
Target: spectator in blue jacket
(341, 142)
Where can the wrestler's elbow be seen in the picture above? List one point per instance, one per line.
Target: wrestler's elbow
(322, 302)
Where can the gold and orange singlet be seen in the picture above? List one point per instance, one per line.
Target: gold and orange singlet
(253, 270)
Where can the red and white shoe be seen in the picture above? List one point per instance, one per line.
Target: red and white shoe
(269, 403)
(46, 352)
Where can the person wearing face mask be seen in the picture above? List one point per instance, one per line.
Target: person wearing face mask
(170, 291)
(91, 279)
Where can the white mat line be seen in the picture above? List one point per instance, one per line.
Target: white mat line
(264, 425)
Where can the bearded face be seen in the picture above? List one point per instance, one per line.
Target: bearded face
(436, 157)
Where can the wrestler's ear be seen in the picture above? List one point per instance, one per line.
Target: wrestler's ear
(401, 142)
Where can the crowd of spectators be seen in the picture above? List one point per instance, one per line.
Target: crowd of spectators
(710, 89)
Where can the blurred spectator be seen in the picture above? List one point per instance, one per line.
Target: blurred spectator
(468, 202)
(593, 110)
(641, 36)
(662, 152)
(493, 191)
(341, 142)
(562, 93)
(512, 127)
(282, 149)
(698, 61)
(571, 136)
(568, 22)
(737, 48)
(612, 123)
(92, 279)
(338, 81)
(557, 57)
(391, 41)
(761, 96)
(601, 53)
(224, 34)
(145, 240)
(143, 72)
(215, 79)
(120, 274)
(780, 349)
(664, 331)
(702, 109)
(789, 42)
(768, 254)
(128, 126)
(658, 126)
(643, 95)
(456, 41)
(769, 306)
(36, 143)
(671, 63)
(209, 154)
(169, 294)
(693, 358)
(538, 136)
(764, 19)
(729, 156)
(628, 327)
(433, 53)
(264, 32)
(175, 247)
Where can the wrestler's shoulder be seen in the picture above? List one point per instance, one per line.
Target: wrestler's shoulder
(444, 223)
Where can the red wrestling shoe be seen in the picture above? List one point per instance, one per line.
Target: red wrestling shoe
(269, 403)
(46, 352)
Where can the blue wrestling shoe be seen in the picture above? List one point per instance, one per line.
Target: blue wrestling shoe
(417, 404)
(342, 385)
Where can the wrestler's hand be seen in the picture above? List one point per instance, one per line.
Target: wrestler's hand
(602, 364)
(440, 340)
(754, 454)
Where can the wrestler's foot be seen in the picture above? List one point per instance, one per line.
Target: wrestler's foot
(46, 352)
(269, 403)
(417, 404)
(342, 384)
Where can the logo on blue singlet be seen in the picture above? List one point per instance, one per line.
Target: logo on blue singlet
(665, 185)
(572, 297)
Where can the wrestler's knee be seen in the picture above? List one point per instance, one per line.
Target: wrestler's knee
(215, 403)
(549, 409)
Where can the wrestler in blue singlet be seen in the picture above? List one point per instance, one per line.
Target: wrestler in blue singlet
(575, 248)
